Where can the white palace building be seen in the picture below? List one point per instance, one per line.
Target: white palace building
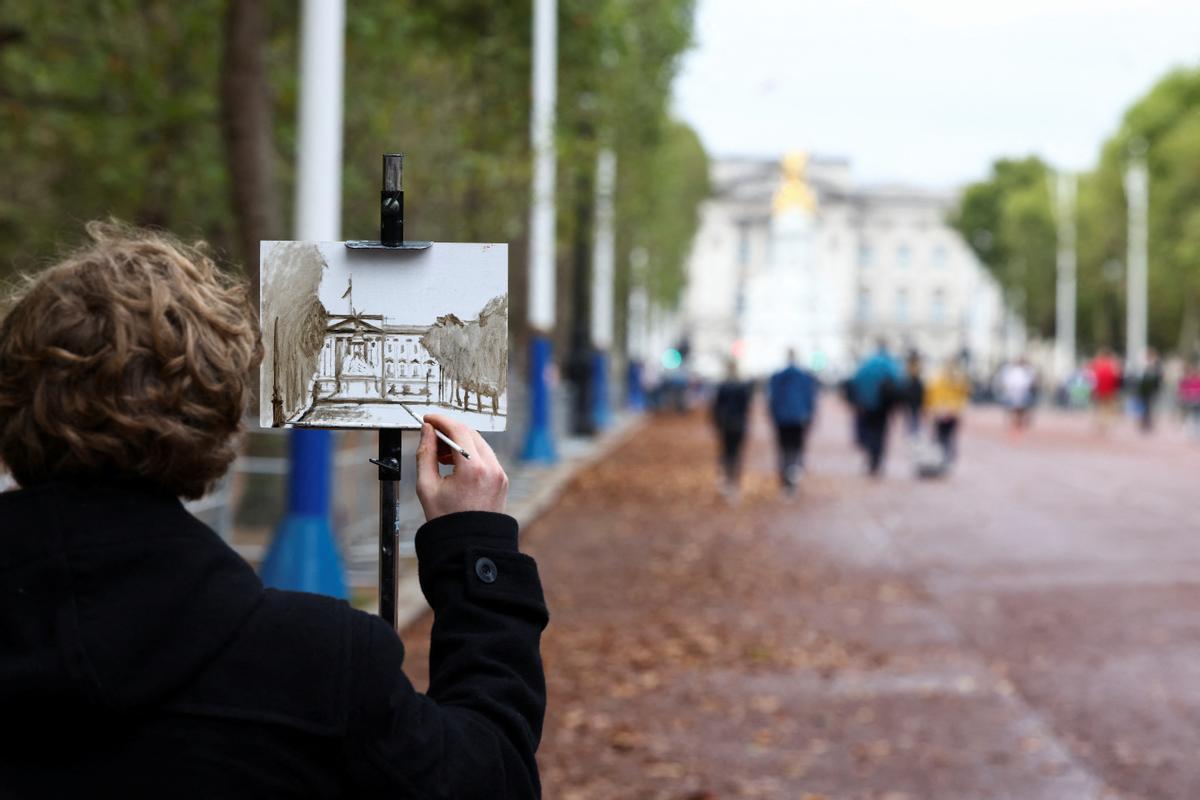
(365, 357)
(796, 255)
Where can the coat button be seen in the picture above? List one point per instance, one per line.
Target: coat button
(485, 568)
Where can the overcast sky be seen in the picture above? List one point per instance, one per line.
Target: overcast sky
(414, 287)
(927, 91)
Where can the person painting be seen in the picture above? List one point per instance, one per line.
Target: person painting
(874, 389)
(141, 654)
(945, 402)
(793, 397)
(730, 410)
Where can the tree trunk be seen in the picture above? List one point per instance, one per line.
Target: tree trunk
(246, 127)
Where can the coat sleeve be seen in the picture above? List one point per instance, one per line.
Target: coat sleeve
(475, 733)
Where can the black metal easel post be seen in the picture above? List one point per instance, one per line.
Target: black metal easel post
(391, 234)
(389, 520)
(391, 237)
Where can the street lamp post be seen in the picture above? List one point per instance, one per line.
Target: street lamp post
(603, 268)
(539, 439)
(303, 555)
(1137, 198)
(1064, 302)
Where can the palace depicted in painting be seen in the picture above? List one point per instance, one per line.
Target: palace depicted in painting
(368, 359)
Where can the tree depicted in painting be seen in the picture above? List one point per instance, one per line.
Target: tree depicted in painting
(473, 356)
(295, 326)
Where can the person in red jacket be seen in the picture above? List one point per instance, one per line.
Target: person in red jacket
(1105, 374)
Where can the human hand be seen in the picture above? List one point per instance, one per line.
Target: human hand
(477, 484)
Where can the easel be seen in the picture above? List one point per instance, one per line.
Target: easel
(391, 237)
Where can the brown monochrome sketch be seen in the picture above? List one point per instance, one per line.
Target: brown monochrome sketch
(370, 339)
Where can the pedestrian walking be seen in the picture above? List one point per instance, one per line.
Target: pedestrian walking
(1147, 386)
(1018, 388)
(874, 389)
(1105, 374)
(142, 656)
(912, 394)
(793, 396)
(946, 400)
(1079, 390)
(730, 412)
(1188, 394)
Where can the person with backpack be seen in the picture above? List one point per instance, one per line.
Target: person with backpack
(793, 396)
(875, 387)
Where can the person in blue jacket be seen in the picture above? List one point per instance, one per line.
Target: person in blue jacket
(793, 398)
(874, 388)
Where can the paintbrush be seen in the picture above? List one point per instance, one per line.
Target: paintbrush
(455, 446)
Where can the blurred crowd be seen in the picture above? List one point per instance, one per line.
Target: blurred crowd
(928, 400)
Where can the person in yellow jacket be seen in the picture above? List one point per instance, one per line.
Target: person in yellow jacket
(946, 398)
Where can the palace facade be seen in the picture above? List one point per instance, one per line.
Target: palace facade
(366, 358)
(795, 254)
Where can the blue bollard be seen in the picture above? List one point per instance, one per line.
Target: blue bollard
(539, 439)
(601, 413)
(303, 556)
(635, 393)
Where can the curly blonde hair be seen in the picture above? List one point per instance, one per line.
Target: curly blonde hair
(130, 359)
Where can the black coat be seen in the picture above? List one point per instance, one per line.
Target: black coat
(141, 657)
(731, 406)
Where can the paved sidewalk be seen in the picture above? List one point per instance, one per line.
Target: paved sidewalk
(1025, 629)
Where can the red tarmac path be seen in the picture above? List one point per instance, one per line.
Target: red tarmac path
(1027, 629)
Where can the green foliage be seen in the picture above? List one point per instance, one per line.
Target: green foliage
(108, 108)
(1008, 220)
(1166, 124)
(111, 108)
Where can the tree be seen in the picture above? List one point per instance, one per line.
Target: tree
(109, 109)
(1165, 123)
(248, 133)
(1008, 221)
(184, 115)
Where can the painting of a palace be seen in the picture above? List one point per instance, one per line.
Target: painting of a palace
(356, 340)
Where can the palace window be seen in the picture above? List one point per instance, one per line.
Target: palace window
(864, 305)
(902, 305)
(743, 245)
(937, 308)
(903, 255)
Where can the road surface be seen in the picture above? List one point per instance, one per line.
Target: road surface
(1026, 629)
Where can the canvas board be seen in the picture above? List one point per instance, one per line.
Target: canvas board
(378, 338)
